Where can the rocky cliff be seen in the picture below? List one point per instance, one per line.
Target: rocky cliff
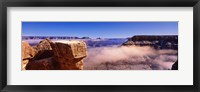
(28, 53)
(58, 55)
(156, 41)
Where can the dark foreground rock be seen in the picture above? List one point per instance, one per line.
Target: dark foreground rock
(43, 64)
(175, 66)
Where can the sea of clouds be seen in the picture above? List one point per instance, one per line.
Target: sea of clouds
(129, 58)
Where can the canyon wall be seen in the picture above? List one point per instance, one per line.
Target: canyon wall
(155, 41)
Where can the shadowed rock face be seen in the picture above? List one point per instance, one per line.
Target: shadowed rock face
(63, 55)
(158, 42)
(175, 66)
(43, 64)
(43, 50)
(43, 54)
(169, 38)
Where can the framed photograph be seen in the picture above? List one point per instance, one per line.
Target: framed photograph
(91, 45)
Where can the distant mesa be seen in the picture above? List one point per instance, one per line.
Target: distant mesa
(52, 37)
(85, 38)
(156, 41)
(49, 55)
(98, 38)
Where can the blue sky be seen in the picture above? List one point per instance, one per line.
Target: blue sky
(99, 29)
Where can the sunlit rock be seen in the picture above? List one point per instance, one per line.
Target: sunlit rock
(28, 52)
(43, 45)
(69, 54)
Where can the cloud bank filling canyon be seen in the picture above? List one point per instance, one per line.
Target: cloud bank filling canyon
(129, 57)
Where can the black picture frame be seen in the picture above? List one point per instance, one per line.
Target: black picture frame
(99, 3)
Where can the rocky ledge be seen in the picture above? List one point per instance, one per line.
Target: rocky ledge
(156, 41)
(57, 55)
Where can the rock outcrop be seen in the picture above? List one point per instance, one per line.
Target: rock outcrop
(175, 66)
(28, 53)
(43, 50)
(69, 54)
(158, 42)
(58, 55)
(43, 64)
(43, 45)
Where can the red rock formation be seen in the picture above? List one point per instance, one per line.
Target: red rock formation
(43, 50)
(43, 64)
(69, 54)
(28, 52)
(43, 45)
(59, 55)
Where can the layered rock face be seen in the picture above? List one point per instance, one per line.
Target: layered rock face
(158, 42)
(59, 55)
